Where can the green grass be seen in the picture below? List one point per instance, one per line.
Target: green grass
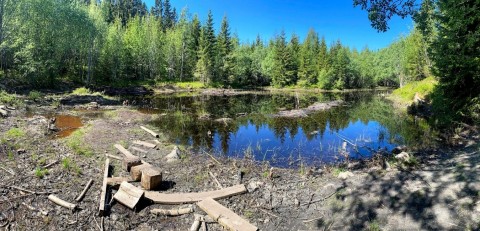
(84, 91)
(35, 95)
(40, 172)
(191, 85)
(76, 143)
(423, 87)
(14, 133)
(69, 165)
(337, 170)
(9, 99)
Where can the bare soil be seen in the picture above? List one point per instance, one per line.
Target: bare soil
(441, 193)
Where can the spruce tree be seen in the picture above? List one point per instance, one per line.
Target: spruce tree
(224, 63)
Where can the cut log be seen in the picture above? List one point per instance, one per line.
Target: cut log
(136, 171)
(150, 131)
(145, 144)
(128, 195)
(185, 198)
(151, 178)
(124, 151)
(129, 162)
(172, 212)
(103, 195)
(61, 202)
(139, 150)
(225, 216)
(87, 186)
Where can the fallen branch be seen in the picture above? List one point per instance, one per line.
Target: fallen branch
(61, 202)
(172, 212)
(196, 223)
(310, 220)
(80, 197)
(218, 162)
(25, 190)
(9, 171)
(150, 131)
(51, 164)
(216, 180)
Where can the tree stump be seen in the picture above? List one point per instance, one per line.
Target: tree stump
(151, 178)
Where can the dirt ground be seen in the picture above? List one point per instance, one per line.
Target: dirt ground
(440, 193)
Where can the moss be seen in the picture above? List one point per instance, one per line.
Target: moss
(14, 133)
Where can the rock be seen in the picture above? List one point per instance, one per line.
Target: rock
(174, 155)
(21, 151)
(345, 175)
(399, 149)
(403, 156)
(252, 186)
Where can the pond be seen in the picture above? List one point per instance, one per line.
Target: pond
(245, 126)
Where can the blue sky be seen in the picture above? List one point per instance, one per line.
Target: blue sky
(333, 19)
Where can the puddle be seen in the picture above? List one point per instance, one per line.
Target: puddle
(67, 124)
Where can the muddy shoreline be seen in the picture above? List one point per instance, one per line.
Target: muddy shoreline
(439, 192)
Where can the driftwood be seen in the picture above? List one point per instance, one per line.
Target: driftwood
(136, 171)
(151, 178)
(196, 223)
(87, 186)
(128, 195)
(172, 212)
(215, 178)
(103, 195)
(184, 198)
(150, 131)
(145, 144)
(61, 202)
(225, 216)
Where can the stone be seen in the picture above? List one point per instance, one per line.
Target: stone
(345, 175)
(252, 186)
(399, 149)
(403, 156)
(174, 155)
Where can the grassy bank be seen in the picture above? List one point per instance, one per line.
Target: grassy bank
(406, 94)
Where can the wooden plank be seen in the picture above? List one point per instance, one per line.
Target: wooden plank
(145, 144)
(129, 162)
(184, 198)
(115, 182)
(136, 171)
(128, 195)
(150, 131)
(124, 151)
(102, 207)
(139, 150)
(225, 216)
(151, 178)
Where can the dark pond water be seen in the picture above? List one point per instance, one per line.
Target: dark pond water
(364, 124)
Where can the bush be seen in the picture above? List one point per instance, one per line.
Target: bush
(34, 95)
(81, 91)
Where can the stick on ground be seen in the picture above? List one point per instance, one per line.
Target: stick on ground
(61, 202)
(172, 212)
(103, 195)
(216, 180)
(80, 197)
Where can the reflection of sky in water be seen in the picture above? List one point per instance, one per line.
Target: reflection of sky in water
(322, 148)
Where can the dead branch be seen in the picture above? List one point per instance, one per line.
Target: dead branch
(172, 212)
(80, 197)
(216, 180)
(61, 202)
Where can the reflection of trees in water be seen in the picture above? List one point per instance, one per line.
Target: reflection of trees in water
(183, 125)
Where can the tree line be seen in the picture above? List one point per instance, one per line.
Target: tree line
(47, 42)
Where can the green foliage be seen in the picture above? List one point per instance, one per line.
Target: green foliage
(8, 99)
(14, 133)
(41, 172)
(34, 95)
(424, 87)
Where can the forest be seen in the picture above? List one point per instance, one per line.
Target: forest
(53, 43)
